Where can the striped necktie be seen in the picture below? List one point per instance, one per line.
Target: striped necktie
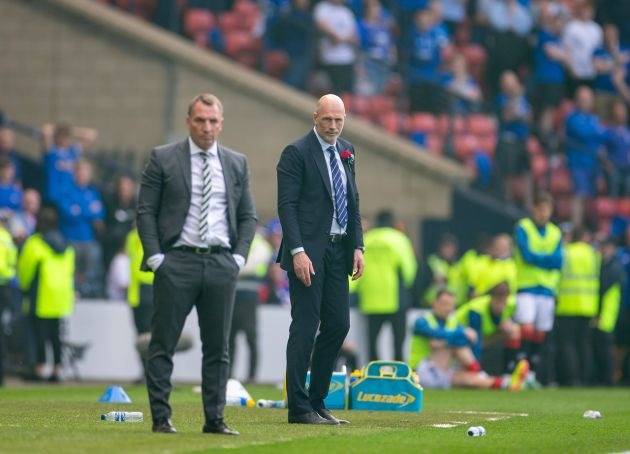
(205, 196)
(341, 203)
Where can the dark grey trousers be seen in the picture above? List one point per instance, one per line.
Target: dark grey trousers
(184, 280)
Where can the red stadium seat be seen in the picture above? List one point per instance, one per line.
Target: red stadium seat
(228, 22)
(275, 63)
(605, 207)
(422, 122)
(197, 21)
(381, 104)
(488, 144)
(391, 122)
(623, 206)
(245, 7)
(481, 125)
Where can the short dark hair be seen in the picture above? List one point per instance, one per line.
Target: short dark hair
(444, 291)
(47, 218)
(542, 197)
(448, 238)
(501, 289)
(384, 218)
(205, 98)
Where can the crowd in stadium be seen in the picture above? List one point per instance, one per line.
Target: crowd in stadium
(531, 95)
(491, 83)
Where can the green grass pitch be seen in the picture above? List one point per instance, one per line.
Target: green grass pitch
(65, 419)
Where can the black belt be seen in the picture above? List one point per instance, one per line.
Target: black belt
(201, 250)
(337, 237)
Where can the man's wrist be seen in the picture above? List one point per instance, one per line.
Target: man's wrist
(297, 250)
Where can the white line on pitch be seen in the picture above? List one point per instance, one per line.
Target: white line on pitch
(491, 413)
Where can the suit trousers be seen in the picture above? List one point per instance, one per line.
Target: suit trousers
(184, 280)
(323, 305)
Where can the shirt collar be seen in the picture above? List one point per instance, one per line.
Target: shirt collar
(195, 149)
(322, 142)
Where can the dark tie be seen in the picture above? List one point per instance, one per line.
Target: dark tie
(205, 196)
(341, 208)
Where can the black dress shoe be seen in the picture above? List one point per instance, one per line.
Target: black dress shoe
(326, 414)
(163, 426)
(310, 418)
(219, 428)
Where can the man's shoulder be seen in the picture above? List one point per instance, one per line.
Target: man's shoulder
(165, 149)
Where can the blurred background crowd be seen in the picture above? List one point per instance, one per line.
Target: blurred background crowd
(530, 95)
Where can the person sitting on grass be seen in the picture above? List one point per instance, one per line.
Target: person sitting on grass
(490, 316)
(441, 353)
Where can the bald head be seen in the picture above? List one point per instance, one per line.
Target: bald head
(329, 117)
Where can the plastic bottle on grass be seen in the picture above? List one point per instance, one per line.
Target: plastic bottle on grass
(239, 402)
(123, 416)
(264, 403)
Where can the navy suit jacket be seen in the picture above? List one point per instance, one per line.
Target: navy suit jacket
(305, 202)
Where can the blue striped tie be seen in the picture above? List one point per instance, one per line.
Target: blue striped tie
(341, 203)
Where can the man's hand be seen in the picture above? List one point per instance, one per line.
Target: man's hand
(303, 268)
(358, 265)
(471, 334)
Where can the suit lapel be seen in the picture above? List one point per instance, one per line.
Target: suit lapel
(183, 157)
(318, 156)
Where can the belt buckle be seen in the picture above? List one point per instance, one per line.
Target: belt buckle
(200, 250)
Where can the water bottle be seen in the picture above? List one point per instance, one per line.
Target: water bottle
(476, 431)
(239, 402)
(264, 403)
(123, 416)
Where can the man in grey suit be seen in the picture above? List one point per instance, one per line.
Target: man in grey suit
(196, 221)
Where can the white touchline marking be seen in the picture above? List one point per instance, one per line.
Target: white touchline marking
(497, 418)
(474, 412)
(444, 426)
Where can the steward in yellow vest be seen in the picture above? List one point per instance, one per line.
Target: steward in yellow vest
(390, 270)
(8, 259)
(45, 272)
(578, 298)
(612, 283)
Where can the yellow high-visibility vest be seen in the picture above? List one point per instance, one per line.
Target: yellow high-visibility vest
(528, 275)
(578, 292)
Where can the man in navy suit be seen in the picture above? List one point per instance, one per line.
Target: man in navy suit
(318, 206)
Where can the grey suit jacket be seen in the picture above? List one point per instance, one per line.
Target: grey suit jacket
(165, 195)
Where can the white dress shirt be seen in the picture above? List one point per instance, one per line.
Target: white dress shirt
(218, 232)
(335, 228)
